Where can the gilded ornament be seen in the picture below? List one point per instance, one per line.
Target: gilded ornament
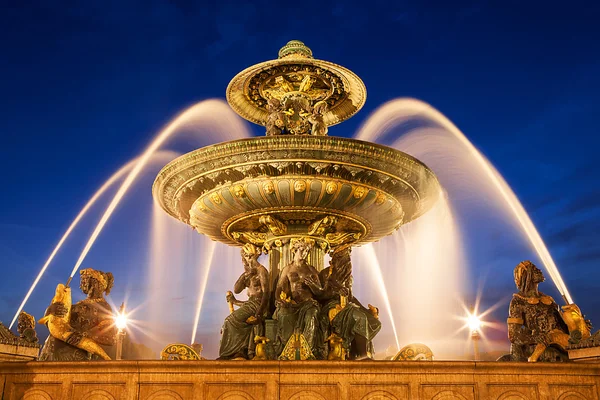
(268, 187)
(215, 198)
(256, 238)
(238, 190)
(380, 199)
(300, 186)
(414, 352)
(337, 352)
(359, 192)
(322, 226)
(179, 352)
(331, 187)
(275, 226)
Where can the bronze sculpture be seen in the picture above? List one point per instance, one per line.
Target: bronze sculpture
(90, 319)
(275, 122)
(536, 329)
(244, 324)
(347, 317)
(297, 308)
(26, 327)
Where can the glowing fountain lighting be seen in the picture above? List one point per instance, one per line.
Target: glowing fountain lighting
(161, 156)
(215, 113)
(474, 323)
(121, 321)
(398, 111)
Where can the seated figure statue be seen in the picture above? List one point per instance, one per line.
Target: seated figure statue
(297, 310)
(90, 320)
(243, 324)
(345, 315)
(536, 329)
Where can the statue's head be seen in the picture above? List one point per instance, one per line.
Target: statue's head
(527, 275)
(301, 246)
(96, 281)
(25, 321)
(250, 254)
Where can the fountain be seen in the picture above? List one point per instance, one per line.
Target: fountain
(301, 196)
(296, 183)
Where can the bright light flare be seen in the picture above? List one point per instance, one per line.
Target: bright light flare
(121, 321)
(474, 323)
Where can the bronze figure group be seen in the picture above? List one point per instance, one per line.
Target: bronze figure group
(318, 306)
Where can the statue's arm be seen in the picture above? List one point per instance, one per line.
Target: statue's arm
(264, 284)
(314, 284)
(324, 279)
(240, 284)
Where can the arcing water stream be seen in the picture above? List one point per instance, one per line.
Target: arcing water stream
(161, 157)
(400, 111)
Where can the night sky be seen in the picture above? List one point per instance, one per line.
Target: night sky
(86, 85)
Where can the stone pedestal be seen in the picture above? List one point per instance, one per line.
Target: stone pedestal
(299, 380)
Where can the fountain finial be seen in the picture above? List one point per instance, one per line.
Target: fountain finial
(296, 93)
(295, 48)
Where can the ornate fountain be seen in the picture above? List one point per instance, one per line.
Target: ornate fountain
(297, 183)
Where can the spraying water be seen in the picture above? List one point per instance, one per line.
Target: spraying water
(162, 156)
(371, 259)
(213, 115)
(401, 111)
(207, 262)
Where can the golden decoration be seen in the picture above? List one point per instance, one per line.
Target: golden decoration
(296, 75)
(299, 186)
(297, 349)
(256, 238)
(215, 198)
(337, 352)
(331, 187)
(179, 352)
(322, 226)
(268, 187)
(336, 239)
(238, 190)
(260, 351)
(414, 352)
(275, 226)
(359, 192)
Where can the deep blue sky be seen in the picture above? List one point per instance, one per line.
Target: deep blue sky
(85, 85)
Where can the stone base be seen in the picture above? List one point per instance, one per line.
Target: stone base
(298, 380)
(11, 352)
(585, 355)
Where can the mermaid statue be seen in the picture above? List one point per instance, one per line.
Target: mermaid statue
(85, 330)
